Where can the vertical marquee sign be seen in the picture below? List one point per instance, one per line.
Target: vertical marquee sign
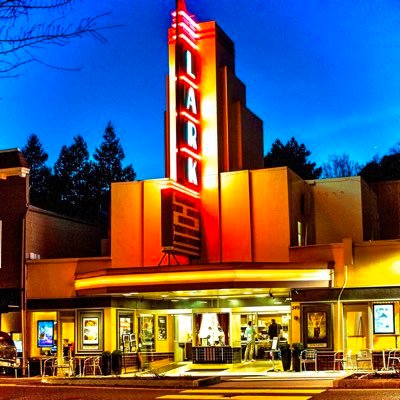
(180, 204)
(187, 71)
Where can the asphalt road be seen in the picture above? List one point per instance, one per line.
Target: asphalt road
(41, 392)
(359, 394)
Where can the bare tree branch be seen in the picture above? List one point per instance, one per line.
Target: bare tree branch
(28, 25)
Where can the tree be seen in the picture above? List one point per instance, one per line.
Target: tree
(339, 166)
(293, 156)
(108, 166)
(382, 169)
(73, 180)
(40, 174)
(27, 25)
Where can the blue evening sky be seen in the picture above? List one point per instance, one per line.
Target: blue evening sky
(326, 72)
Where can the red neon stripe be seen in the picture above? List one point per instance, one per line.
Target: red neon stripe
(189, 41)
(188, 116)
(188, 81)
(191, 153)
(189, 19)
(190, 31)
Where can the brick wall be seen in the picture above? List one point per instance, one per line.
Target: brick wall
(54, 236)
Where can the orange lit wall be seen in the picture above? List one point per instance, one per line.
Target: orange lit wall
(127, 224)
(270, 214)
(51, 279)
(152, 222)
(209, 194)
(235, 216)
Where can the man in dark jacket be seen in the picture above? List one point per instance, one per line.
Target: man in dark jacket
(274, 329)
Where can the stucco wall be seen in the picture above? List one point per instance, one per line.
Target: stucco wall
(376, 263)
(338, 209)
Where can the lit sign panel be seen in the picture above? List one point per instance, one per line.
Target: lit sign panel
(180, 200)
(187, 70)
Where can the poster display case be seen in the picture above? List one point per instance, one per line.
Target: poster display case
(317, 326)
(384, 318)
(90, 331)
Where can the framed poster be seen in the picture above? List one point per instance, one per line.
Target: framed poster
(162, 327)
(90, 331)
(45, 331)
(384, 318)
(317, 326)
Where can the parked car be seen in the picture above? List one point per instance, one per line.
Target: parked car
(8, 353)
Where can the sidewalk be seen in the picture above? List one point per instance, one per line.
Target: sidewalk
(259, 373)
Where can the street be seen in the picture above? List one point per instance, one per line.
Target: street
(33, 391)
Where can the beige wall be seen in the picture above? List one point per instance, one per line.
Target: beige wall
(338, 209)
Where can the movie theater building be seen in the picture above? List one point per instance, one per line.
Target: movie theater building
(220, 241)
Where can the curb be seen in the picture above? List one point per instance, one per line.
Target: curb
(183, 382)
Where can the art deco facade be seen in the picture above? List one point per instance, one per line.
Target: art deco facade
(244, 242)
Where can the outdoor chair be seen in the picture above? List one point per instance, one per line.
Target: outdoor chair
(91, 366)
(49, 364)
(343, 359)
(393, 361)
(364, 358)
(308, 356)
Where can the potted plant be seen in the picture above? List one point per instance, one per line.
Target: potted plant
(286, 355)
(297, 348)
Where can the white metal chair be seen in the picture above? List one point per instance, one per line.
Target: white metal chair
(308, 356)
(393, 361)
(49, 364)
(91, 365)
(364, 357)
(343, 359)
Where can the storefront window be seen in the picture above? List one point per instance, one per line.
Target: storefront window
(212, 329)
(126, 336)
(146, 335)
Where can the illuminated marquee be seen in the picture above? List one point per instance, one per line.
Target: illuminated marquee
(180, 200)
(187, 70)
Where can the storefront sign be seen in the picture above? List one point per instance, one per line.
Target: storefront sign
(188, 113)
(180, 202)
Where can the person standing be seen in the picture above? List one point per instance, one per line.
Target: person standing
(274, 329)
(250, 335)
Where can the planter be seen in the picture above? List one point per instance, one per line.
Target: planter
(297, 349)
(286, 355)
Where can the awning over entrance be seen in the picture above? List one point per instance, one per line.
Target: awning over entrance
(212, 276)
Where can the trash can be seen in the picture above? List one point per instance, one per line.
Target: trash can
(116, 362)
(106, 363)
